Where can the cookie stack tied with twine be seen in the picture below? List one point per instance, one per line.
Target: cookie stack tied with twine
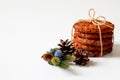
(93, 36)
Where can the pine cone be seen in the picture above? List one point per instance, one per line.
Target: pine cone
(66, 47)
(81, 58)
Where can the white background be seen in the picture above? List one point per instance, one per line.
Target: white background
(29, 28)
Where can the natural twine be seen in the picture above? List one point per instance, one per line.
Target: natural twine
(100, 20)
(96, 21)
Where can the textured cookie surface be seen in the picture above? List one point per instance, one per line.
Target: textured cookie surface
(91, 48)
(92, 41)
(93, 36)
(96, 53)
(89, 27)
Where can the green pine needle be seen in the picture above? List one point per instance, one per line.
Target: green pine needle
(64, 64)
(69, 57)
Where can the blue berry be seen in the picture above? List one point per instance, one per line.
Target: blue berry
(51, 50)
(58, 53)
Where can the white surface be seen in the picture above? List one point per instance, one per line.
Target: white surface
(28, 28)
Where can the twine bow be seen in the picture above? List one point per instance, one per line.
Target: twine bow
(97, 22)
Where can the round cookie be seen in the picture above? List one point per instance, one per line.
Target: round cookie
(91, 48)
(93, 36)
(89, 27)
(92, 41)
(95, 53)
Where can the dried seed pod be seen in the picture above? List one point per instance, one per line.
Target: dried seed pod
(47, 56)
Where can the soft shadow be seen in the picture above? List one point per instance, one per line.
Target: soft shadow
(73, 71)
(91, 63)
(76, 72)
(115, 52)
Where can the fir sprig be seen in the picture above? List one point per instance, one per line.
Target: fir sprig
(64, 54)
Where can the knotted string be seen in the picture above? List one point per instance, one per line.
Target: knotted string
(100, 20)
(97, 22)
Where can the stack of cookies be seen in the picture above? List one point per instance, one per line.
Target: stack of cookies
(87, 37)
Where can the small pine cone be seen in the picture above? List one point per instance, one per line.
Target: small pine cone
(66, 47)
(81, 58)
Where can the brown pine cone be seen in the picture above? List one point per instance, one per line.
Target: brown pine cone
(81, 58)
(66, 47)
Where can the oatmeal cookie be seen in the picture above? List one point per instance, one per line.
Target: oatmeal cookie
(93, 41)
(91, 48)
(96, 53)
(93, 36)
(89, 27)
